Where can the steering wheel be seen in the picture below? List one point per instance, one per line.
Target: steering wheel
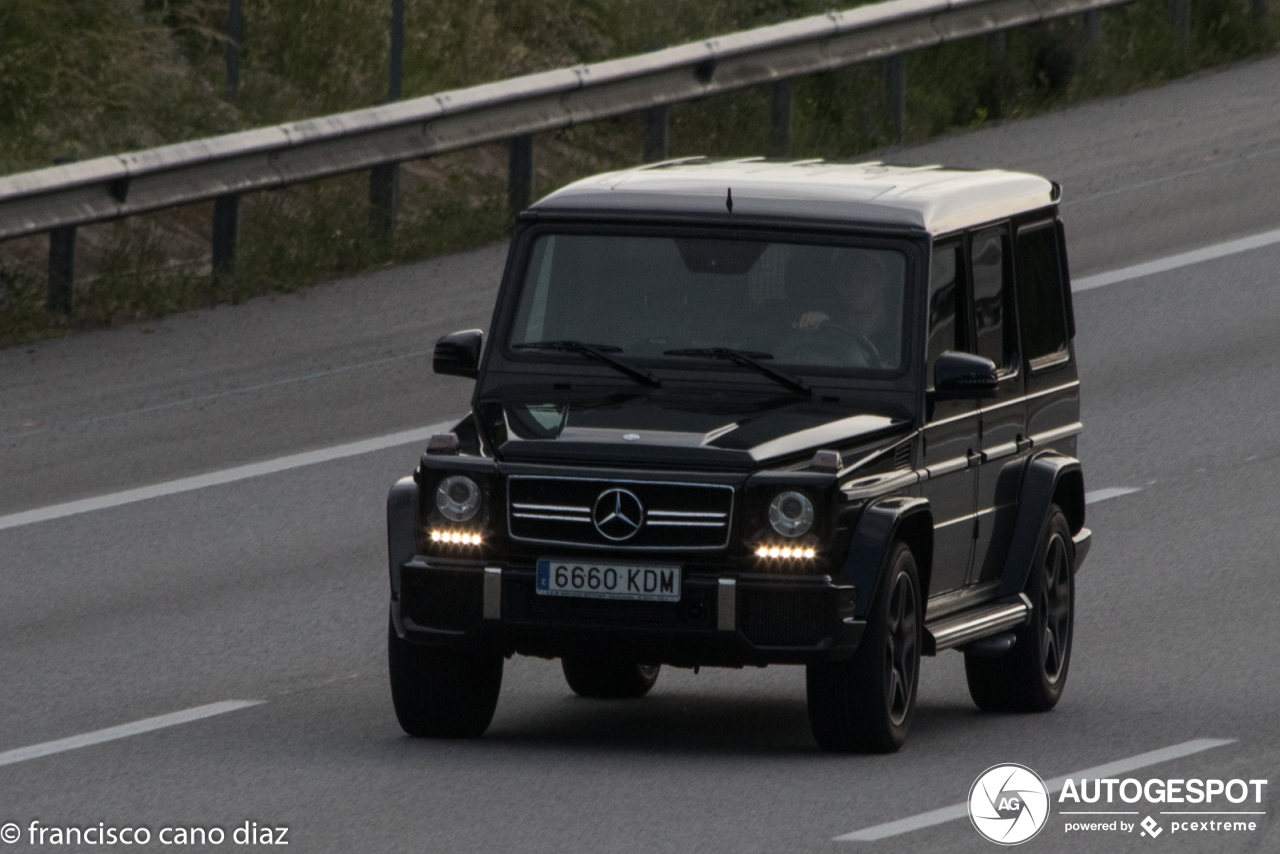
(829, 344)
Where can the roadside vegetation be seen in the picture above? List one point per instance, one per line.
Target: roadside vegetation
(84, 78)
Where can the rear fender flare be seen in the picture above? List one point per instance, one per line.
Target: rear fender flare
(402, 523)
(878, 527)
(1048, 478)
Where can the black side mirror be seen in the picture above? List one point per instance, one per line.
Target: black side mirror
(964, 375)
(459, 354)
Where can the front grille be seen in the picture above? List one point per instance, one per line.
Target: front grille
(784, 618)
(566, 510)
(521, 604)
(440, 599)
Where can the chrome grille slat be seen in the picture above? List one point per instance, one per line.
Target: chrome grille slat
(555, 507)
(555, 518)
(677, 515)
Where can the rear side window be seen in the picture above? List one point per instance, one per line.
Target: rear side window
(1040, 305)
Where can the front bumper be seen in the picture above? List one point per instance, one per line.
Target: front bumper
(727, 620)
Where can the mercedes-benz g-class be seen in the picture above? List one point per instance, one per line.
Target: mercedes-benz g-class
(753, 412)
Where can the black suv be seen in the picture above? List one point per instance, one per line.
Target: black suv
(747, 413)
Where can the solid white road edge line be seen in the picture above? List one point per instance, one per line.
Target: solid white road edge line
(1108, 493)
(216, 478)
(35, 751)
(1111, 769)
(1173, 262)
(159, 407)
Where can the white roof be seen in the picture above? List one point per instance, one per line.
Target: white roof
(927, 197)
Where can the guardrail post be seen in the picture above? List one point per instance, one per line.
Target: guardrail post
(226, 209)
(657, 136)
(226, 229)
(520, 177)
(1180, 21)
(384, 180)
(895, 91)
(997, 44)
(991, 95)
(62, 264)
(62, 269)
(781, 113)
(384, 199)
(1093, 28)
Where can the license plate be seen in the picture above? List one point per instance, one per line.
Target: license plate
(608, 581)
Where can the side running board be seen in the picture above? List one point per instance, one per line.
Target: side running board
(959, 629)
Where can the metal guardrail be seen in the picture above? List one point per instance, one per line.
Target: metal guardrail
(134, 183)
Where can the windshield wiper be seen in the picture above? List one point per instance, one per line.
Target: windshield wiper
(747, 358)
(599, 352)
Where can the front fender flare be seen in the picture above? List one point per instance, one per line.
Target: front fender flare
(402, 524)
(1046, 476)
(877, 528)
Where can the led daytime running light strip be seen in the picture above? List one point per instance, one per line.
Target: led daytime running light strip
(456, 538)
(785, 552)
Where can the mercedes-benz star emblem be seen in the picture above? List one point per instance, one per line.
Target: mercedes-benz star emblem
(618, 514)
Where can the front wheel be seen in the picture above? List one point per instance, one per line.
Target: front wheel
(606, 678)
(865, 705)
(442, 693)
(1030, 677)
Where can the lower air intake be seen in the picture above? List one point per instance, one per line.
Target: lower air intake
(785, 618)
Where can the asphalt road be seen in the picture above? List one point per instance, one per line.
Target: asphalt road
(272, 588)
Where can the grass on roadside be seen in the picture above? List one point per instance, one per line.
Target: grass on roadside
(90, 77)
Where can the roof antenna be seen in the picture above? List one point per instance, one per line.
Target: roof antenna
(728, 202)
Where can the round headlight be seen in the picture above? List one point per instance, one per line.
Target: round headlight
(458, 498)
(791, 513)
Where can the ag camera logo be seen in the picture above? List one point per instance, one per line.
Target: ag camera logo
(1009, 804)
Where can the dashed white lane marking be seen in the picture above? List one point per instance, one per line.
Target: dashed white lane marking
(1173, 262)
(216, 478)
(1176, 176)
(48, 748)
(1109, 493)
(216, 395)
(1111, 769)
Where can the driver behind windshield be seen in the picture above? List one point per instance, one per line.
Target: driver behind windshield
(854, 309)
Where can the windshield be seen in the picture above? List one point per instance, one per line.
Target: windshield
(786, 302)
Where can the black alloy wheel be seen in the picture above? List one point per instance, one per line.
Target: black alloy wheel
(1055, 609)
(902, 648)
(866, 704)
(1031, 676)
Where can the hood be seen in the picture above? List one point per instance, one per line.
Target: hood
(709, 431)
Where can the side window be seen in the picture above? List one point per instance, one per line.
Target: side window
(945, 303)
(1043, 316)
(994, 335)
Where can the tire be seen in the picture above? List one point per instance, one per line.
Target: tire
(442, 693)
(1030, 677)
(866, 705)
(608, 679)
